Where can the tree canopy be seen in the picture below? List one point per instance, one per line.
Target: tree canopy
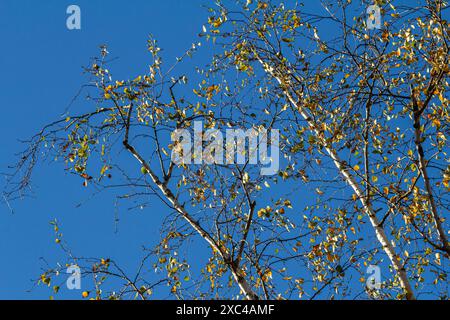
(364, 176)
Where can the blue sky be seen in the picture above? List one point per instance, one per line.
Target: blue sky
(41, 65)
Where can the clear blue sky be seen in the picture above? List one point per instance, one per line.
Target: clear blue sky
(40, 64)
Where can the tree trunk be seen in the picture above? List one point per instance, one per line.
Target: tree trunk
(237, 274)
(423, 170)
(379, 231)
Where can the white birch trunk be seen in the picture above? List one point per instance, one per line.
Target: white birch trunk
(379, 231)
(237, 274)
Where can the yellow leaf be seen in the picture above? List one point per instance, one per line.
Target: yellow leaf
(436, 123)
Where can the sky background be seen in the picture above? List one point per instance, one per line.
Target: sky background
(41, 71)
(41, 66)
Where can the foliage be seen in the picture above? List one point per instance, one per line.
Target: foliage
(364, 118)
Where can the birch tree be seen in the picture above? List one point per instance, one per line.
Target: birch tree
(358, 99)
(364, 177)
